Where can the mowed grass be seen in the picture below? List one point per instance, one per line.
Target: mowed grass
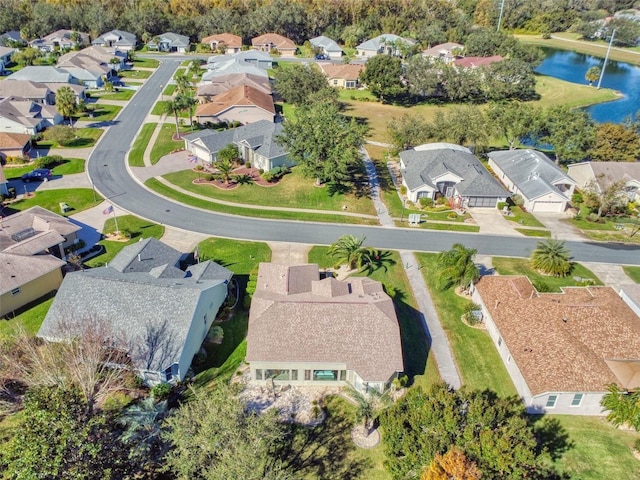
(169, 89)
(160, 108)
(85, 138)
(534, 232)
(522, 266)
(165, 144)
(523, 218)
(121, 94)
(293, 191)
(633, 273)
(101, 112)
(68, 166)
(146, 63)
(136, 154)
(136, 74)
(27, 321)
(137, 229)
(478, 361)
(418, 362)
(598, 450)
(78, 199)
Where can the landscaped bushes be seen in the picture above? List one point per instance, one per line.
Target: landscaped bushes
(48, 161)
(275, 173)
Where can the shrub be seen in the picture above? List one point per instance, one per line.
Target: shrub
(577, 198)
(452, 215)
(19, 160)
(247, 164)
(594, 218)
(61, 134)
(403, 190)
(199, 167)
(161, 391)
(426, 202)
(267, 176)
(48, 161)
(441, 200)
(541, 286)
(215, 334)
(501, 205)
(517, 200)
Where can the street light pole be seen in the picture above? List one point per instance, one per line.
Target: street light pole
(161, 92)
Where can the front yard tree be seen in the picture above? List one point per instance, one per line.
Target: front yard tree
(452, 465)
(66, 102)
(512, 121)
(409, 131)
(325, 143)
(228, 153)
(174, 107)
(604, 196)
(623, 406)
(351, 251)
(297, 82)
(26, 56)
(422, 76)
(552, 257)
(383, 77)
(456, 267)
(616, 143)
(593, 75)
(61, 134)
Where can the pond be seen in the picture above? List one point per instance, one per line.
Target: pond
(620, 76)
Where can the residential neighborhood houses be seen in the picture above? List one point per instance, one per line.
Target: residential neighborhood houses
(306, 326)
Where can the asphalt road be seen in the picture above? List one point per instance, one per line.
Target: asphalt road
(108, 171)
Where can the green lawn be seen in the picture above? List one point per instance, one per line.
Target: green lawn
(161, 105)
(293, 191)
(136, 154)
(146, 63)
(534, 232)
(165, 143)
(101, 113)
(598, 450)
(169, 89)
(77, 198)
(583, 224)
(521, 266)
(68, 167)
(361, 95)
(121, 94)
(139, 74)
(418, 362)
(85, 138)
(137, 228)
(29, 320)
(169, 192)
(478, 361)
(523, 218)
(633, 273)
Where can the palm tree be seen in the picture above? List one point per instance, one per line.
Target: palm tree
(623, 406)
(174, 107)
(225, 167)
(66, 102)
(456, 267)
(593, 74)
(142, 422)
(350, 250)
(368, 407)
(552, 257)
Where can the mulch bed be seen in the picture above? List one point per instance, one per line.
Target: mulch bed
(252, 173)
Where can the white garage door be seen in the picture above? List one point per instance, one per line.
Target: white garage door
(555, 207)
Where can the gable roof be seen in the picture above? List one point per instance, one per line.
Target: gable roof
(12, 35)
(174, 39)
(425, 163)
(41, 73)
(229, 39)
(532, 172)
(275, 39)
(261, 136)
(442, 50)
(18, 270)
(325, 43)
(242, 95)
(93, 55)
(565, 342)
(345, 71)
(476, 62)
(232, 67)
(384, 39)
(6, 50)
(296, 317)
(222, 83)
(145, 296)
(120, 38)
(253, 57)
(23, 112)
(607, 173)
(24, 89)
(14, 140)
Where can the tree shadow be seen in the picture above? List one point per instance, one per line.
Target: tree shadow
(551, 435)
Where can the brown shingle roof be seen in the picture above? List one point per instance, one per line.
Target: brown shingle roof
(18, 270)
(295, 317)
(229, 39)
(224, 83)
(561, 342)
(347, 72)
(476, 62)
(13, 140)
(277, 40)
(240, 95)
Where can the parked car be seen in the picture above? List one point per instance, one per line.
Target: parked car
(37, 175)
(321, 56)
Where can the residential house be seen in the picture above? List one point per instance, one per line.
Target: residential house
(252, 57)
(27, 90)
(631, 296)
(5, 57)
(387, 43)
(476, 62)
(170, 42)
(43, 74)
(452, 171)
(273, 42)
(561, 349)
(257, 143)
(342, 75)
(223, 43)
(543, 186)
(14, 145)
(327, 47)
(445, 52)
(32, 244)
(603, 174)
(224, 83)
(154, 309)
(19, 116)
(117, 40)
(61, 40)
(12, 39)
(304, 330)
(91, 66)
(242, 104)
(231, 67)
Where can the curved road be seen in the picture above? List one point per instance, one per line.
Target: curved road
(108, 171)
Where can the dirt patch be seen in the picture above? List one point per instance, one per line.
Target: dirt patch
(116, 237)
(363, 438)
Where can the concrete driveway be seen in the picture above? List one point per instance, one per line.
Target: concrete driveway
(558, 224)
(492, 222)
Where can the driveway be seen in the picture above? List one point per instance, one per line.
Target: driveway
(492, 222)
(558, 224)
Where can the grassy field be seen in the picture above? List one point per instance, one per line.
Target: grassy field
(521, 266)
(78, 199)
(169, 89)
(146, 63)
(29, 320)
(121, 94)
(293, 191)
(161, 105)
(633, 273)
(569, 41)
(85, 138)
(136, 154)
(137, 228)
(135, 74)
(165, 143)
(68, 167)
(419, 364)
(534, 232)
(478, 361)
(101, 113)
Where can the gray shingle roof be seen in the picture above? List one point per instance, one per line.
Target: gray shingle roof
(16, 270)
(175, 39)
(42, 74)
(46, 227)
(384, 39)
(531, 171)
(125, 39)
(422, 167)
(326, 43)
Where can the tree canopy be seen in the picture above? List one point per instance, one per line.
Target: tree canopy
(297, 83)
(615, 143)
(552, 257)
(456, 267)
(382, 76)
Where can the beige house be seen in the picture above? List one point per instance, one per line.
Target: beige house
(304, 330)
(606, 173)
(342, 76)
(224, 83)
(445, 52)
(32, 244)
(14, 144)
(242, 104)
(561, 349)
(229, 42)
(273, 42)
(26, 117)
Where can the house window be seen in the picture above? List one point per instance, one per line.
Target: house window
(276, 374)
(307, 375)
(15, 291)
(577, 399)
(551, 401)
(325, 375)
(294, 374)
(335, 82)
(343, 375)
(424, 195)
(258, 374)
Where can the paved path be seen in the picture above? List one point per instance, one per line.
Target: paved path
(560, 227)
(491, 221)
(611, 275)
(374, 184)
(285, 253)
(83, 153)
